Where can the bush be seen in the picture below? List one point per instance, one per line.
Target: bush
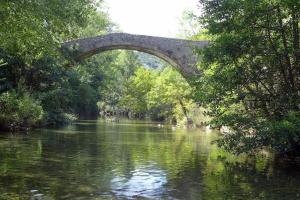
(285, 134)
(281, 135)
(19, 112)
(54, 118)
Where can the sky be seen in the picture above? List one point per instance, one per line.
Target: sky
(149, 17)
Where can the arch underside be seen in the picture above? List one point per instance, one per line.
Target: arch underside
(155, 52)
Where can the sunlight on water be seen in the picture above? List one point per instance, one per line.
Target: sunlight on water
(145, 181)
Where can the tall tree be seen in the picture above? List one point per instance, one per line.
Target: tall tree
(251, 72)
(32, 68)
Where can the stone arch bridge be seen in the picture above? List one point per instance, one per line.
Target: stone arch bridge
(179, 53)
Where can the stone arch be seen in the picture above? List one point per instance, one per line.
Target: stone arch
(179, 53)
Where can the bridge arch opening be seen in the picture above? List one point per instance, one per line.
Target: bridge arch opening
(159, 55)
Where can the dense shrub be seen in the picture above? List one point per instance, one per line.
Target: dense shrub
(283, 136)
(19, 112)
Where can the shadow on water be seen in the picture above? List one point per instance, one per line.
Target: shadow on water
(130, 160)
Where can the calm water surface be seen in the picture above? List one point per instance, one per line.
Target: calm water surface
(135, 160)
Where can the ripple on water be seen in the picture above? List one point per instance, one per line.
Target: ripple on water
(145, 181)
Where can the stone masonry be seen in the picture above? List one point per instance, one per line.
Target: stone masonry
(179, 53)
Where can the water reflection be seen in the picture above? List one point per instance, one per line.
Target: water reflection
(97, 160)
(145, 181)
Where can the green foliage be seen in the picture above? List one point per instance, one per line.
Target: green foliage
(30, 37)
(87, 101)
(137, 90)
(30, 55)
(56, 103)
(285, 133)
(251, 69)
(19, 112)
(98, 23)
(150, 61)
(163, 95)
(40, 25)
(280, 135)
(116, 76)
(172, 94)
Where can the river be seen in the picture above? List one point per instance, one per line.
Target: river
(135, 160)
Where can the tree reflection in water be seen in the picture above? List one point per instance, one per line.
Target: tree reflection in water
(97, 160)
